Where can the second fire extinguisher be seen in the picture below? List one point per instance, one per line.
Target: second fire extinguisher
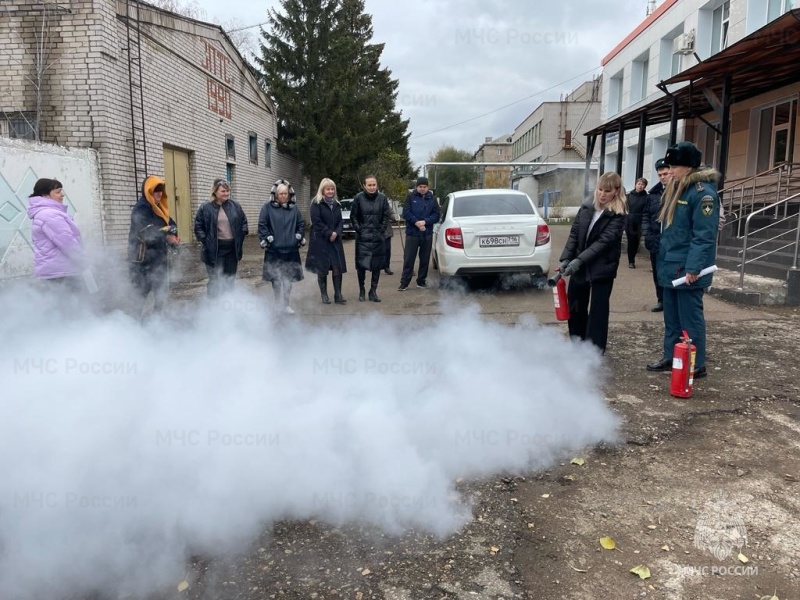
(683, 355)
(559, 296)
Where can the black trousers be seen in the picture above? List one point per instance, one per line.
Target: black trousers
(151, 278)
(589, 308)
(222, 275)
(659, 289)
(413, 245)
(387, 252)
(634, 234)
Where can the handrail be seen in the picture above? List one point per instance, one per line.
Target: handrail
(748, 190)
(747, 233)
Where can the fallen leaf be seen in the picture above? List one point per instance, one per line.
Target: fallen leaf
(530, 525)
(578, 570)
(495, 549)
(577, 461)
(642, 571)
(665, 547)
(608, 543)
(773, 597)
(366, 572)
(183, 586)
(743, 558)
(545, 495)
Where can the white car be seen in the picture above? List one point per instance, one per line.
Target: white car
(347, 224)
(489, 232)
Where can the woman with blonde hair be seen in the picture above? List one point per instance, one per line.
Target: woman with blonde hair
(591, 258)
(688, 244)
(325, 249)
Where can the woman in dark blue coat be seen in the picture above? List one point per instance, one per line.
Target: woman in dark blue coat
(591, 258)
(280, 231)
(325, 250)
(688, 244)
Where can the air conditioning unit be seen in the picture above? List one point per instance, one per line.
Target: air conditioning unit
(684, 43)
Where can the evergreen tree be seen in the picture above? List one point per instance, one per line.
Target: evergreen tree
(336, 105)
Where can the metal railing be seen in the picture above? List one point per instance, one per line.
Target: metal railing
(739, 200)
(786, 217)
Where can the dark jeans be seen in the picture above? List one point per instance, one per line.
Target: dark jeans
(659, 289)
(222, 275)
(387, 252)
(589, 309)
(634, 235)
(683, 309)
(413, 244)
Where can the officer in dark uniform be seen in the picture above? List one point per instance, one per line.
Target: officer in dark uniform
(651, 227)
(688, 244)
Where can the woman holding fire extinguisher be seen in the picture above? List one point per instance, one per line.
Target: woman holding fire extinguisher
(591, 257)
(688, 244)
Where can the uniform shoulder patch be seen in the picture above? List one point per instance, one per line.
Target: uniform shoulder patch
(707, 205)
(699, 186)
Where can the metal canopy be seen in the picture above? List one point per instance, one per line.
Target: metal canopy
(765, 60)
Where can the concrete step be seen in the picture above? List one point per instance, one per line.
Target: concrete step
(769, 270)
(757, 289)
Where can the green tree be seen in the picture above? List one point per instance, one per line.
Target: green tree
(392, 172)
(447, 179)
(336, 105)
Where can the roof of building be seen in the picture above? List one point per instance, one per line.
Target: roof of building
(764, 60)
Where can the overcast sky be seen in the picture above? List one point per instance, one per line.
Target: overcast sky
(470, 69)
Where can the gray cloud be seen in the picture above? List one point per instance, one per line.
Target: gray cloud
(457, 59)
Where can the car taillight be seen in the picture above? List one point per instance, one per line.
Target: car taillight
(542, 235)
(452, 237)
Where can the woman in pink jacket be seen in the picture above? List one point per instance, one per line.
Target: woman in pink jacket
(57, 245)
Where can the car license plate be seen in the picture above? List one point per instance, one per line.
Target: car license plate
(499, 240)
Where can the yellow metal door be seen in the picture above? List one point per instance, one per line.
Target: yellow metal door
(176, 175)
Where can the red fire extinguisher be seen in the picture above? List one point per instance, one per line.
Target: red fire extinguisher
(559, 296)
(683, 356)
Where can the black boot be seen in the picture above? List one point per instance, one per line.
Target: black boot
(322, 280)
(337, 290)
(373, 288)
(362, 292)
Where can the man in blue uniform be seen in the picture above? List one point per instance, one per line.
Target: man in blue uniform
(688, 244)
(651, 227)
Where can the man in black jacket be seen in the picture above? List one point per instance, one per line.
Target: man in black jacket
(651, 226)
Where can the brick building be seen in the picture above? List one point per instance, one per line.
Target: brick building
(494, 150)
(199, 113)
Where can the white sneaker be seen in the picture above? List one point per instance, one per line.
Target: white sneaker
(288, 310)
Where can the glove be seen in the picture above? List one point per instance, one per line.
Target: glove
(263, 244)
(270, 239)
(298, 237)
(573, 267)
(563, 266)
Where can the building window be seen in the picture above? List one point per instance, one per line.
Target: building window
(615, 94)
(230, 148)
(253, 143)
(639, 74)
(719, 27)
(230, 175)
(775, 8)
(20, 125)
(267, 154)
(775, 143)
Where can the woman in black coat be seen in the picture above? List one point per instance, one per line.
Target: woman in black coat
(280, 231)
(590, 259)
(325, 250)
(220, 226)
(637, 204)
(152, 234)
(370, 216)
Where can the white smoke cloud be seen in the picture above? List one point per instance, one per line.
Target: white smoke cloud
(126, 448)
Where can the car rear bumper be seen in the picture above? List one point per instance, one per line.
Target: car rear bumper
(467, 271)
(452, 264)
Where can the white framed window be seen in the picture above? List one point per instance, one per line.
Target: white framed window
(775, 8)
(639, 74)
(720, 20)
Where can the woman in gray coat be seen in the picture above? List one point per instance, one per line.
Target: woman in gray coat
(280, 231)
